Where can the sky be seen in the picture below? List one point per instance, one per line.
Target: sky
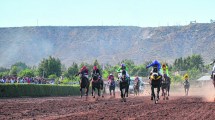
(143, 13)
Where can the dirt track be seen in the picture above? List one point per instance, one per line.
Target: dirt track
(141, 107)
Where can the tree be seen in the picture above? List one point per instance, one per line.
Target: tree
(13, 71)
(96, 63)
(72, 71)
(26, 73)
(20, 66)
(50, 66)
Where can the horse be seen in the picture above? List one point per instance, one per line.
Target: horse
(84, 84)
(136, 87)
(155, 81)
(213, 78)
(124, 86)
(112, 85)
(186, 87)
(165, 86)
(97, 83)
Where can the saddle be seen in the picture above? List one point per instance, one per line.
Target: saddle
(95, 78)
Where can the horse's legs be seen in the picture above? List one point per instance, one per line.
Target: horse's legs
(121, 93)
(93, 91)
(168, 88)
(87, 90)
(185, 91)
(81, 91)
(110, 90)
(158, 90)
(99, 90)
(126, 91)
(152, 93)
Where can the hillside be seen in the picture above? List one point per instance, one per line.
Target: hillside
(108, 44)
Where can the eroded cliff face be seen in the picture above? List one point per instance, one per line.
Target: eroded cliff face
(107, 44)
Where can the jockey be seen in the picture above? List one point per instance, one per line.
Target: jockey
(137, 80)
(186, 82)
(96, 71)
(123, 67)
(155, 64)
(111, 79)
(165, 70)
(84, 71)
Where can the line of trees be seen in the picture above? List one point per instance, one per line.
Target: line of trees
(53, 68)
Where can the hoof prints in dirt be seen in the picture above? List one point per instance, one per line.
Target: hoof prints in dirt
(134, 108)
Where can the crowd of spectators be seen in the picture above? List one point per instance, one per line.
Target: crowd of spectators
(32, 80)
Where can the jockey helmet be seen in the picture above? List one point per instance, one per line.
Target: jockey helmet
(84, 67)
(95, 68)
(163, 65)
(136, 78)
(111, 74)
(186, 76)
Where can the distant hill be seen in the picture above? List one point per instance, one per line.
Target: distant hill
(107, 44)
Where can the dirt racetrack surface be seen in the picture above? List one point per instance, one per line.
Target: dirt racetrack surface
(136, 107)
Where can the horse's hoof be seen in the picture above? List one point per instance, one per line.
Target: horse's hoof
(93, 96)
(156, 101)
(167, 98)
(102, 95)
(151, 98)
(124, 100)
(121, 100)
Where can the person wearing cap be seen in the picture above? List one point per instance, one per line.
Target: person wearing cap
(83, 71)
(123, 68)
(186, 84)
(156, 66)
(111, 83)
(164, 69)
(97, 72)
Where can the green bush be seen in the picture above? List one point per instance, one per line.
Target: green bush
(36, 90)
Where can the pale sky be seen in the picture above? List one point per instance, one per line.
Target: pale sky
(143, 13)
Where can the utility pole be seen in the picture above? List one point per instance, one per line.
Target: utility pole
(43, 73)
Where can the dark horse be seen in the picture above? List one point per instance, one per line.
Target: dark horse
(213, 78)
(186, 87)
(84, 84)
(165, 86)
(155, 79)
(136, 87)
(112, 86)
(123, 86)
(97, 83)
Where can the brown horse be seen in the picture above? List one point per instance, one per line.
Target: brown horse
(165, 86)
(123, 86)
(97, 83)
(136, 87)
(84, 84)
